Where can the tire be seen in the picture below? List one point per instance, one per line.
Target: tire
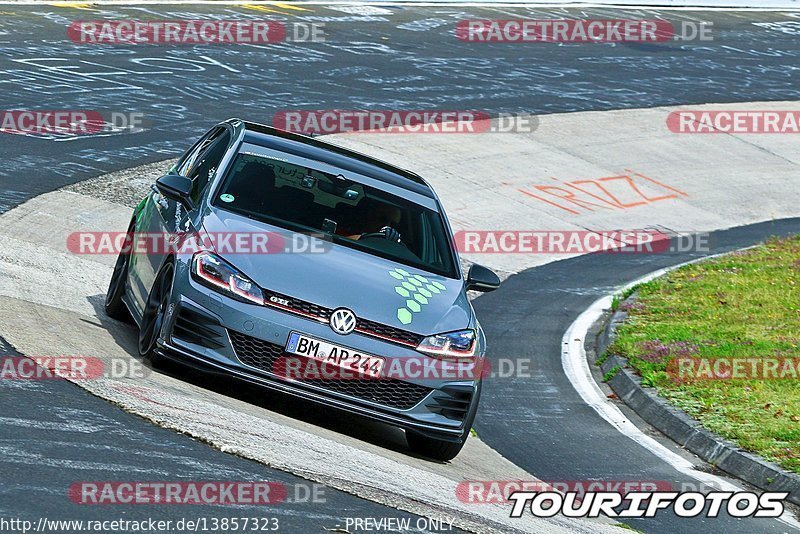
(114, 306)
(155, 311)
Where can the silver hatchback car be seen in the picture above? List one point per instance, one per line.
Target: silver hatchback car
(355, 299)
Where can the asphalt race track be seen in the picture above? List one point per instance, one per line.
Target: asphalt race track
(399, 58)
(89, 436)
(55, 433)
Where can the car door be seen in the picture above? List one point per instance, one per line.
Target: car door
(162, 217)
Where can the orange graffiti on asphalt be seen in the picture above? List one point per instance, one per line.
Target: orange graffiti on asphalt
(619, 192)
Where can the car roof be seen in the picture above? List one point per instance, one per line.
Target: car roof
(343, 158)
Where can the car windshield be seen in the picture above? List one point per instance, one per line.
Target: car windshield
(355, 215)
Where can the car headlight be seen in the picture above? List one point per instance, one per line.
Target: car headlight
(459, 344)
(214, 272)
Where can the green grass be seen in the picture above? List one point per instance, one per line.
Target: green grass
(630, 291)
(626, 527)
(615, 302)
(611, 373)
(743, 305)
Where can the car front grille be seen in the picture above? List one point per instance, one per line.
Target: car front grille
(389, 333)
(390, 392)
(323, 314)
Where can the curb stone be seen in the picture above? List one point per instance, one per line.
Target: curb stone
(685, 430)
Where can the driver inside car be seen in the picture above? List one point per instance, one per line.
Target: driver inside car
(382, 220)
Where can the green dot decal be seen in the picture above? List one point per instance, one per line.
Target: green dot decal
(404, 316)
(418, 291)
(226, 198)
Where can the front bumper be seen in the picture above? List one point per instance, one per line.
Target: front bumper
(217, 333)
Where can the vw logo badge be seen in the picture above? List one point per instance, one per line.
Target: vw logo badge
(343, 321)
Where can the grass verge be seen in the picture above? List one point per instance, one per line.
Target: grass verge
(744, 305)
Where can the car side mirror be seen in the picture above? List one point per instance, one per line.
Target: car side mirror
(176, 187)
(480, 278)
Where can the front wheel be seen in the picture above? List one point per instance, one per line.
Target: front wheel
(155, 312)
(114, 306)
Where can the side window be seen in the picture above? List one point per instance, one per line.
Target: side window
(189, 159)
(206, 165)
(202, 160)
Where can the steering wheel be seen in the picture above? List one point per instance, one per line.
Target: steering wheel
(387, 232)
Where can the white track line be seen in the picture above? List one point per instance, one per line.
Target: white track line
(576, 367)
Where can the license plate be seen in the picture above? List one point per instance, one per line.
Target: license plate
(350, 359)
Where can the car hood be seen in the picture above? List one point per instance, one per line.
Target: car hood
(372, 287)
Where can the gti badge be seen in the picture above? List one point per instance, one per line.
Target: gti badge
(277, 300)
(343, 321)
